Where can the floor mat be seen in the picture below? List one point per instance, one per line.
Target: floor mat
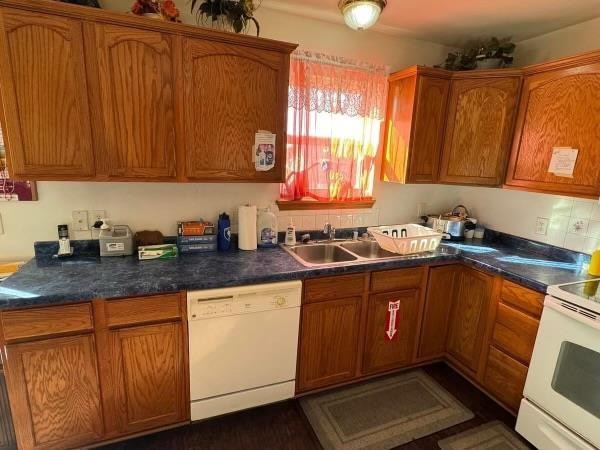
(383, 414)
(490, 436)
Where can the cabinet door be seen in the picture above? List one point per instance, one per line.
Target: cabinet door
(559, 108)
(147, 376)
(479, 129)
(469, 316)
(328, 343)
(230, 93)
(134, 94)
(428, 133)
(398, 127)
(505, 378)
(44, 96)
(391, 335)
(54, 392)
(440, 288)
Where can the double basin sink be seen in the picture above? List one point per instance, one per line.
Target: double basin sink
(331, 253)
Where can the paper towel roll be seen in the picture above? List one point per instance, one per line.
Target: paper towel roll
(247, 227)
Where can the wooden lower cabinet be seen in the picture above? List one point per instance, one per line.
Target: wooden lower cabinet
(329, 342)
(438, 301)
(469, 317)
(147, 377)
(55, 392)
(98, 376)
(505, 378)
(386, 347)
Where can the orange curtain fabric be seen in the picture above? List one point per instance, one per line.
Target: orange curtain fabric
(335, 110)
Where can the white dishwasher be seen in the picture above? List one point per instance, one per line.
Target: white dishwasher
(243, 344)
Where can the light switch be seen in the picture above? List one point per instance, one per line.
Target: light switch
(541, 226)
(80, 221)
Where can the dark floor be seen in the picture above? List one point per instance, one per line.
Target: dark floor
(284, 426)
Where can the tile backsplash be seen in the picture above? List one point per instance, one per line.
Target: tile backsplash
(567, 222)
(339, 218)
(576, 225)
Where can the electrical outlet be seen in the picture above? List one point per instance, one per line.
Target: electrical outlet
(80, 221)
(541, 226)
(96, 215)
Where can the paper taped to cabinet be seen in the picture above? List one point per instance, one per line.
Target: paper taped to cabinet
(563, 161)
(264, 151)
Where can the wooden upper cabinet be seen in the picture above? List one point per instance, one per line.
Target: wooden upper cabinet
(469, 317)
(132, 80)
(481, 112)
(414, 125)
(231, 92)
(560, 107)
(44, 96)
(55, 392)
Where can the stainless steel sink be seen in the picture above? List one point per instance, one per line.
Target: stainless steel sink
(322, 254)
(368, 249)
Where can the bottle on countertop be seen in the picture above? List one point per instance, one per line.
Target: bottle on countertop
(266, 228)
(224, 233)
(290, 234)
(594, 268)
(64, 243)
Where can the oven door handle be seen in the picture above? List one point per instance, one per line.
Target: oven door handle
(589, 318)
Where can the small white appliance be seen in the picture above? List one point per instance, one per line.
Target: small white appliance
(243, 345)
(561, 408)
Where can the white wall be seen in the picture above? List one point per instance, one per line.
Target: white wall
(580, 38)
(159, 206)
(572, 223)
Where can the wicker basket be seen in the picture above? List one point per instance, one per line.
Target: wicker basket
(406, 239)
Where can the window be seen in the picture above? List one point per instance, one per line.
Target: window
(335, 112)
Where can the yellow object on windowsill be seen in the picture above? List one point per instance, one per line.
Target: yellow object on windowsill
(594, 268)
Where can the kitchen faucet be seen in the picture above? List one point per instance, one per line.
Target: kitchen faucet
(329, 230)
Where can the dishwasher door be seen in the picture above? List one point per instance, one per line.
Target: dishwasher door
(242, 346)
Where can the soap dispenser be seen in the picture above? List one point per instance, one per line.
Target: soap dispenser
(290, 234)
(594, 268)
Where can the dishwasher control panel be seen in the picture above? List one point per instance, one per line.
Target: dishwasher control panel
(245, 300)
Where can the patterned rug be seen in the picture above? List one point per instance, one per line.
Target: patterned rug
(383, 414)
(490, 436)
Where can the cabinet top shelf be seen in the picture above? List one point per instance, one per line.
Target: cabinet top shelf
(132, 20)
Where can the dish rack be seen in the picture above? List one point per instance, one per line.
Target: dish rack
(406, 239)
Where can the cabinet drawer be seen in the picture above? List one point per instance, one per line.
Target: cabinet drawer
(505, 378)
(515, 332)
(525, 299)
(29, 324)
(397, 280)
(133, 311)
(328, 288)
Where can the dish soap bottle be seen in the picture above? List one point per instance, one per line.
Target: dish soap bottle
(594, 268)
(266, 228)
(290, 234)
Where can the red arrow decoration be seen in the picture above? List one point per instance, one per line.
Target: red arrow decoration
(392, 319)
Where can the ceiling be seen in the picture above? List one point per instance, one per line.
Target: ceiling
(456, 22)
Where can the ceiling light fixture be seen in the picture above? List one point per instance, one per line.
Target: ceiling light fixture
(361, 14)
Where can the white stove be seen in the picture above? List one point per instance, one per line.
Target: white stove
(561, 408)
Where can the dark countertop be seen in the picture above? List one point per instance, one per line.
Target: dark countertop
(66, 281)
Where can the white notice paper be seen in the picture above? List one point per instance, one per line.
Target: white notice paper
(264, 151)
(563, 161)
